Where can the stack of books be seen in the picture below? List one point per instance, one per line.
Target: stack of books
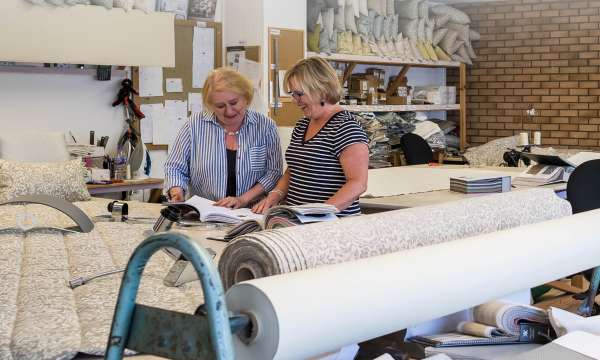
(477, 185)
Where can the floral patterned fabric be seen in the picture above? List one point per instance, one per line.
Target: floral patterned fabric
(297, 248)
(63, 180)
(40, 316)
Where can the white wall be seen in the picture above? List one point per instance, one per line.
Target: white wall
(58, 101)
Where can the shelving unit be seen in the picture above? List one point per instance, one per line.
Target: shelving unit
(352, 60)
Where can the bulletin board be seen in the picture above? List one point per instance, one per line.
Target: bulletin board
(184, 36)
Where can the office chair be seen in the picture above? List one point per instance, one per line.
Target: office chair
(583, 192)
(416, 149)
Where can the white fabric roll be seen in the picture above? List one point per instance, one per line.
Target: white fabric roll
(311, 312)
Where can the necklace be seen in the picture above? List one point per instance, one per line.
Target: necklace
(231, 133)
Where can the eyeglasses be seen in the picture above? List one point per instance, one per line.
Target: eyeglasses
(296, 93)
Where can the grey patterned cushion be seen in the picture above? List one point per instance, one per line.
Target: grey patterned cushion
(62, 180)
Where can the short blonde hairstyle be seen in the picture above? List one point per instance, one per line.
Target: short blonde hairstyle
(317, 79)
(226, 79)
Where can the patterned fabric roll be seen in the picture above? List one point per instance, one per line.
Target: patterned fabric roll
(297, 248)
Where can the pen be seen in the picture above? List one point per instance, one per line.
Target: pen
(216, 239)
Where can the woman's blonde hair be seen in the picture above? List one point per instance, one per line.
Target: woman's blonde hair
(226, 79)
(317, 79)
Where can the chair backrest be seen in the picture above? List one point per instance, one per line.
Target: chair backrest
(34, 146)
(416, 149)
(583, 187)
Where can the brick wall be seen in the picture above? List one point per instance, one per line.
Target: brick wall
(540, 53)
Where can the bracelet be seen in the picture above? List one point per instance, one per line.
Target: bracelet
(277, 191)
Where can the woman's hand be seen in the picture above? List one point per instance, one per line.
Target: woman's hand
(231, 202)
(265, 204)
(176, 194)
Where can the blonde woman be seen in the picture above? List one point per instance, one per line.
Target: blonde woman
(328, 157)
(229, 154)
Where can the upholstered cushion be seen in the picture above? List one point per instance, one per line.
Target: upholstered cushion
(313, 12)
(356, 44)
(24, 145)
(458, 58)
(364, 25)
(408, 28)
(313, 39)
(456, 15)
(106, 3)
(449, 42)
(462, 31)
(408, 9)
(363, 9)
(124, 4)
(438, 35)
(470, 50)
(388, 21)
(344, 43)
(429, 33)
(366, 49)
(390, 7)
(63, 180)
(462, 51)
(415, 50)
(424, 10)
(378, 27)
(441, 20)
(421, 30)
(324, 42)
(339, 19)
(375, 6)
(430, 51)
(147, 6)
(423, 51)
(350, 19)
(328, 16)
(441, 54)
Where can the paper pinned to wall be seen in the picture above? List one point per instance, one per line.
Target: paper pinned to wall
(195, 102)
(152, 112)
(165, 129)
(203, 55)
(174, 85)
(252, 70)
(151, 80)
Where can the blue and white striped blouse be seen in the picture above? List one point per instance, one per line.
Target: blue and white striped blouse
(197, 160)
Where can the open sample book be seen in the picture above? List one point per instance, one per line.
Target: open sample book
(285, 216)
(495, 322)
(208, 212)
(549, 169)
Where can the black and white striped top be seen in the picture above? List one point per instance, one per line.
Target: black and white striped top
(315, 169)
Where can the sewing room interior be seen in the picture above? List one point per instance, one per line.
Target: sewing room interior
(299, 179)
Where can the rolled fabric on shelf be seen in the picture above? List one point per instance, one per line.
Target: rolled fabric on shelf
(303, 247)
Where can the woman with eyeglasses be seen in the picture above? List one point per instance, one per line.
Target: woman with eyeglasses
(230, 154)
(328, 158)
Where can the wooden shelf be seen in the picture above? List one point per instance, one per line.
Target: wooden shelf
(385, 60)
(387, 108)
